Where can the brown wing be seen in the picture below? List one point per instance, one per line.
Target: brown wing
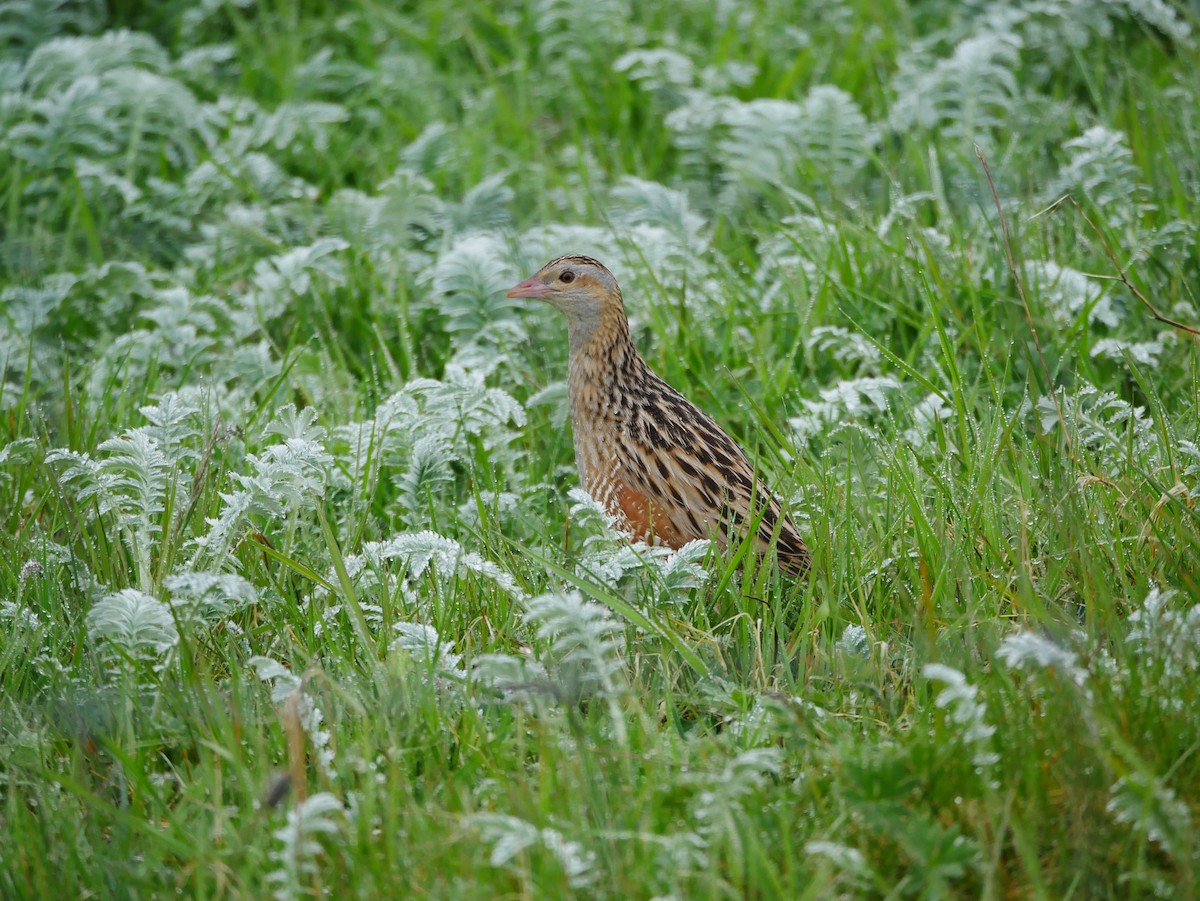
(683, 468)
(647, 520)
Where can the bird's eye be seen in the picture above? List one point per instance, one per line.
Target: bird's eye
(567, 277)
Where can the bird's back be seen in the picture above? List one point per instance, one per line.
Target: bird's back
(663, 467)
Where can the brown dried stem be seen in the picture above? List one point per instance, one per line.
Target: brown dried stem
(1124, 279)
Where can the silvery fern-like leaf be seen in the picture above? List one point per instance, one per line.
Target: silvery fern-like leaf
(288, 688)
(18, 452)
(682, 571)
(1030, 650)
(508, 835)
(431, 151)
(511, 836)
(846, 400)
(299, 844)
(1165, 637)
(961, 700)
(636, 201)
(411, 209)
(579, 31)
(169, 122)
(227, 176)
(26, 308)
(422, 550)
(581, 634)
(137, 457)
(203, 65)
(760, 141)
(854, 642)
(419, 551)
(842, 345)
(1142, 801)
(280, 279)
(419, 481)
(130, 480)
(181, 330)
(28, 24)
(696, 128)
(463, 402)
(282, 680)
(469, 280)
(80, 120)
(484, 208)
(720, 806)
(966, 95)
(292, 424)
(1059, 28)
(1102, 422)
(666, 73)
(101, 181)
(607, 554)
(208, 596)
(927, 413)
(837, 138)
(171, 425)
(769, 141)
(285, 478)
(300, 124)
(132, 624)
(842, 856)
(423, 643)
(1145, 353)
(58, 62)
(1100, 170)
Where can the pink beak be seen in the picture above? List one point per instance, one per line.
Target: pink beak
(531, 287)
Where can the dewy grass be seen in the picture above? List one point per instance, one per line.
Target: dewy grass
(296, 595)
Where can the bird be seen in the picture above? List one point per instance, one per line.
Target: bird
(656, 462)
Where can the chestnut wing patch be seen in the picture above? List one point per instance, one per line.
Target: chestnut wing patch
(646, 519)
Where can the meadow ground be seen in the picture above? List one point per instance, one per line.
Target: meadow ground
(286, 482)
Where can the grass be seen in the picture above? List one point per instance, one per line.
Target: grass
(296, 596)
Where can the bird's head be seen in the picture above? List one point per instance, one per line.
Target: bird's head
(582, 288)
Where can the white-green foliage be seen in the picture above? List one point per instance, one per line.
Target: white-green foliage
(1070, 294)
(582, 637)
(968, 714)
(134, 475)
(1100, 170)
(468, 282)
(759, 143)
(1167, 639)
(77, 93)
(132, 627)
(286, 478)
(424, 551)
(722, 802)
(206, 596)
(966, 95)
(846, 401)
(581, 31)
(301, 841)
(606, 554)
(1057, 28)
(1103, 423)
(511, 836)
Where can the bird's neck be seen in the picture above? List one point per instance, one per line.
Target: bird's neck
(602, 355)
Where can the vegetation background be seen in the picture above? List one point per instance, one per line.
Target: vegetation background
(286, 485)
